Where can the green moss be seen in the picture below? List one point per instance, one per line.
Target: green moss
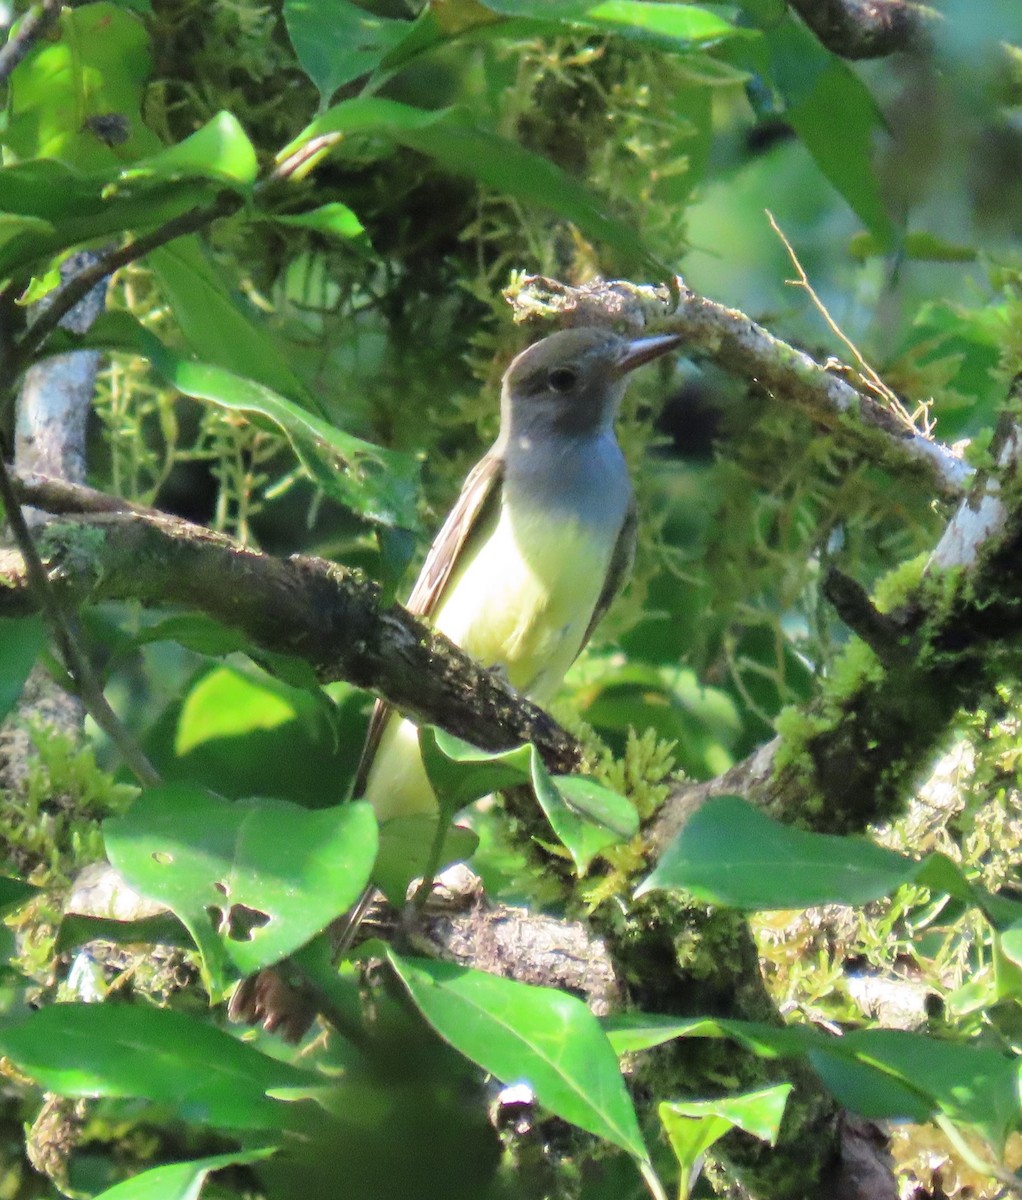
(899, 585)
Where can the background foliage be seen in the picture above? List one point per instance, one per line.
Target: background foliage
(316, 371)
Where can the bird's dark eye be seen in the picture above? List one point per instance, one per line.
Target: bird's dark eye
(562, 379)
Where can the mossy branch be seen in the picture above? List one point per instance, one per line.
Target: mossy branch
(332, 617)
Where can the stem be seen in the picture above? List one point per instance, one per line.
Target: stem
(651, 1179)
(62, 626)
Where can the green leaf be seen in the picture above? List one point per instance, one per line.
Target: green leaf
(408, 851)
(378, 484)
(201, 1073)
(693, 1126)
(218, 327)
(334, 219)
(179, 1181)
(14, 893)
(668, 26)
(585, 816)
(56, 206)
(21, 641)
(337, 41)
(485, 156)
(731, 853)
(220, 150)
(539, 1035)
(919, 245)
(835, 117)
(252, 880)
(884, 1074)
(96, 64)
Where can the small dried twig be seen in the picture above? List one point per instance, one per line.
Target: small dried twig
(867, 375)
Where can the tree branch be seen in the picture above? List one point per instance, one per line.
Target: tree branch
(739, 346)
(327, 615)
(866, 28)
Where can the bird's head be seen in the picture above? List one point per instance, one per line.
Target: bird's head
(572, 382)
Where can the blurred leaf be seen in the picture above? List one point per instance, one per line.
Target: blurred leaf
(14, 893)
(253, 733)
(334, 219)
(21, 641)
(217, 326)
(56, 206)
(407, 850)
(485, 156)
(835, 117)
(253, 879)
(377, 484)
(179, 1181)
(918, 245)
(336, 41)
(518, 1032)
(201, 1073)
(162, 930)
(95, 66)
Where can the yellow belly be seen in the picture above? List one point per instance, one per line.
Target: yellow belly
(524, 611)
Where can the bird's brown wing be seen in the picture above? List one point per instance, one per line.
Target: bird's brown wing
(479, 496)
(618, 569)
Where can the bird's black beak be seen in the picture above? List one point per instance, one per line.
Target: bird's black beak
(644, 350)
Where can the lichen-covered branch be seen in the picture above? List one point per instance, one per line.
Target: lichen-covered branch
(866, 28)
(736, 344)
(950, 630)
(315, 610)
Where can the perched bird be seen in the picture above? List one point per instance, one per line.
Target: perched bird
(537, 545)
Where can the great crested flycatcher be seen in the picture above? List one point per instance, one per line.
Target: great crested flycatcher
(537, 545)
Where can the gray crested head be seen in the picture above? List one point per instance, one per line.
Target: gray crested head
(571, 383)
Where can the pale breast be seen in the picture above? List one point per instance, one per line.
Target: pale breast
(525, 599)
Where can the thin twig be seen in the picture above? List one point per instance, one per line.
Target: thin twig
(62, 626)
(34, 23)
(866, 372)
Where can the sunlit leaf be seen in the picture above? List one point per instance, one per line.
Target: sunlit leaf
(251, 879)
(337, 41)
(541, 1036)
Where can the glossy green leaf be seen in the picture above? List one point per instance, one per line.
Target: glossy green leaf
(585, 816)
(219, 327)
(77, 94)
(219, 150)
(201, 1073)
(376, 483)
(252, 880)
(669, 26)
(337, 41)
(179, 1181)
(485, 156)
(21, 641)
(542, 1036)
(730, 852)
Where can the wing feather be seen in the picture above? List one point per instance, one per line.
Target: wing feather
(479, 494)
(618, 569)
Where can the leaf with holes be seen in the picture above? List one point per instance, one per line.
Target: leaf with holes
(252, 880)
